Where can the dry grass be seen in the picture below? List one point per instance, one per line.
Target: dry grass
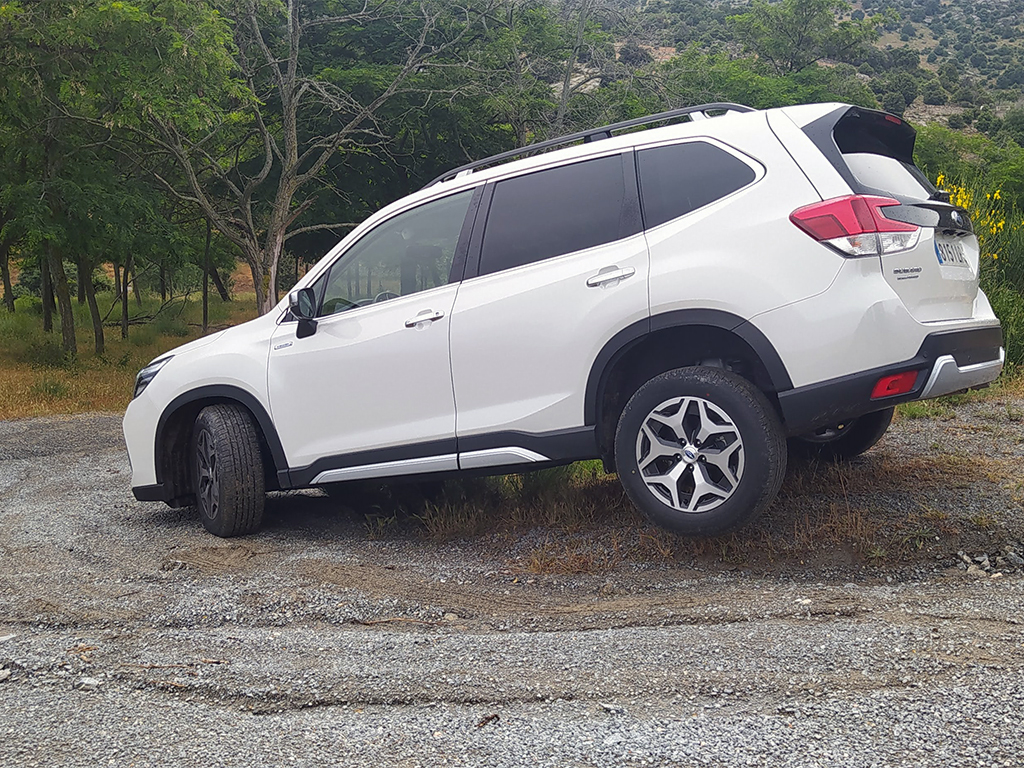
(826, 513)
(36, 379)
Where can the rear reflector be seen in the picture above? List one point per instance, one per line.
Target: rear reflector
(897, 384)
(856, 225)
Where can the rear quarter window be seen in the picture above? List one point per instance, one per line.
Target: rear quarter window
(680, 178)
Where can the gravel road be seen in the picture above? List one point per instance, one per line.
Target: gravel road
(130, 637)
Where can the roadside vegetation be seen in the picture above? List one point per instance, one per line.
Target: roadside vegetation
(38, 378)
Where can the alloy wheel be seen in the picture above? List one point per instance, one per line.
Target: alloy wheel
(690, 454)
(208, 479)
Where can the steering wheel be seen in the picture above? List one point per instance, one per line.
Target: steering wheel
(384, 296)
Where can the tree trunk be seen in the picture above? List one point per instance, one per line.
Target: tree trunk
(206, 279)
(224, 295)
(124, 297)
(84, 276)
(94, 313)
(5, 271)
(63, 291)
(117, 281)
(163, 282)
(264, 281)
(570, 65)
(47, 291)
(135, 285)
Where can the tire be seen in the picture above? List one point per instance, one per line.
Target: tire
(741, 463)
(228, 471)
(843, 441)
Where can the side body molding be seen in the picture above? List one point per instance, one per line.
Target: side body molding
(225, 393)
(633, 334)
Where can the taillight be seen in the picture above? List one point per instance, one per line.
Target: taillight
(856, 225)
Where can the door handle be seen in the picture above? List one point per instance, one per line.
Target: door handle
(426, 316)
(610, 275)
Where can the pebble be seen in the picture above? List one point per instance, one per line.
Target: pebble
(89, 684)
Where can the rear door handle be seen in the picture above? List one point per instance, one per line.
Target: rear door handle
(610, 275)
(426, 316)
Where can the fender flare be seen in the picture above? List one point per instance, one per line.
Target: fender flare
(633, 334)
(220, 393)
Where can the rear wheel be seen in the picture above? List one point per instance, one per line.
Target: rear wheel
(843, 441)
(228, 471)
(700, 451)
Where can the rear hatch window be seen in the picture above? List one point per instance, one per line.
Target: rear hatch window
(878, 151)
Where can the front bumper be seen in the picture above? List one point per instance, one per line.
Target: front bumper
(947, 362)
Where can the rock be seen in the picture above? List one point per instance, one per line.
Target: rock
(451, 617)
(5, 638)
(89, 684)
(982, 560)
(965, 559)
(4, 674)
(612, 709)
(1014, 559)
(973, 570)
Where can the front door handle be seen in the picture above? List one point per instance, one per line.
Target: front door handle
(426, 316)
(610, 275)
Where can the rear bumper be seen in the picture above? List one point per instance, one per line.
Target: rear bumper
(947, 362)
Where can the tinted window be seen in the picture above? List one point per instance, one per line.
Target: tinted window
(408, 253)
(561, 210)
(888, 175)
(680, 178)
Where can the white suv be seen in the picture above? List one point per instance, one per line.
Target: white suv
(675, 301)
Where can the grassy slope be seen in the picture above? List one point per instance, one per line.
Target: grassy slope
(36, 380)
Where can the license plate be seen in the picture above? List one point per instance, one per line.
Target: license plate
(951, 254)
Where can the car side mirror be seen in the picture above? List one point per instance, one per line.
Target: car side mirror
(302, 304)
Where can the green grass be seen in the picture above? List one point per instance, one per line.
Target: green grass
(37, 378)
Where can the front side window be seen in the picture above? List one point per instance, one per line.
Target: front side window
(408, 253)
(680, 178)
(557, 211)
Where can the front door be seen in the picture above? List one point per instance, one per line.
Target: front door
(370, 392)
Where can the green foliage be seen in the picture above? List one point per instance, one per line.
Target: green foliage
(790, 35)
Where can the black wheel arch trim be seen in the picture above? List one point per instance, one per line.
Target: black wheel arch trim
(633, 334)
(226, 393)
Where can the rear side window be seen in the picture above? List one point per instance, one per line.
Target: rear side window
(680, 178)
(557, 211)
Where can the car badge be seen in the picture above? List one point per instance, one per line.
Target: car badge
(957, 218)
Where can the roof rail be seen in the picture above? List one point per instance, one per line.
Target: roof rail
(594, 134)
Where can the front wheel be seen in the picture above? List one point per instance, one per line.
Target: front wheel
(843, 441)
(700, 451)
(228, 471)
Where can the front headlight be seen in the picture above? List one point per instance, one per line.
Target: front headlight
(147, 374)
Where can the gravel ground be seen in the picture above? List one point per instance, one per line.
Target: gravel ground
(128, 636)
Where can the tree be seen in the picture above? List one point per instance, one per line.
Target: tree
(793, 34)
(317, 76)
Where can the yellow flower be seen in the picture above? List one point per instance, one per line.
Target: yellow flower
(996, 195)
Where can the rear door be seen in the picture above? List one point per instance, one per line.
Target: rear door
(873, 151)
(560, 267)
